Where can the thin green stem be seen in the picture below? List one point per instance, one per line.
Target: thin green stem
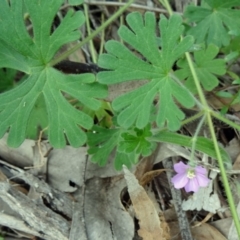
(184, 122)
(192, 118)
(92, 49)
(97, 31)
(196, 81)
(121, 23)
(224, 176)
(194, 140)
(208, 112)
(166, 4)
(102, 36)
(225, 120)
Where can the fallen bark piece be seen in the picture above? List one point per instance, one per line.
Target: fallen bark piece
(35, 214)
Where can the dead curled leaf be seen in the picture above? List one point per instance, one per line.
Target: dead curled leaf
(149, 221)
(149, 176)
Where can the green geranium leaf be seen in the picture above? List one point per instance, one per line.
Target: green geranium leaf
(32, 54)
(214, 21)
(11, 58)
(206, 67)
(75, 2)
(37, 118)
(136, 142)
(124, 159)
(104, 143)
(124, 65)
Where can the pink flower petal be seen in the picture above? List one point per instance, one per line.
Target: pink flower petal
(200, 170)
(203, 181)
(180, 180)
(192, 185)
(180, 167)
(190, 178)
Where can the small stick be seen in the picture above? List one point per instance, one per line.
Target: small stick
(177, 200)
(137, 6)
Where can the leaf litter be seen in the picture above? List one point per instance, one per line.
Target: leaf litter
(82, 201)
(105, 212)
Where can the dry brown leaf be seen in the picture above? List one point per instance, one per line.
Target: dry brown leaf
(165, 227)
(205, 231)
(223, 225)
(163, 222)
(170, 214)
(149, 222)
(198, 224)
(233, 148)
(146, 164)
(148, 176)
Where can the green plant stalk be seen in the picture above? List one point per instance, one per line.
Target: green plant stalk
(198, 86)
(166, 4)
(93, 52)
(184, 122)
(194, 140)
(208, 113)
(192, 118)
(97, 31)
(121, 23)
(225, 120)
(224, 176)
(102, 37)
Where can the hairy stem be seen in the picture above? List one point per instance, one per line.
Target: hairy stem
(208, 112)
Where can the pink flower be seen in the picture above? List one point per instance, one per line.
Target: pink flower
(191, 178)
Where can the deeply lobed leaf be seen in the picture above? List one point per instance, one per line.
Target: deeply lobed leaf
(135, 141)
(206, 67)
(31, 54)
(124, 65)
(103, 144)
(214, 21)
(123, 146)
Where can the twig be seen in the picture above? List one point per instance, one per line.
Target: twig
(177, 200)
(17, 224)
(58, 200)
(35, 214)
(118, 4)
